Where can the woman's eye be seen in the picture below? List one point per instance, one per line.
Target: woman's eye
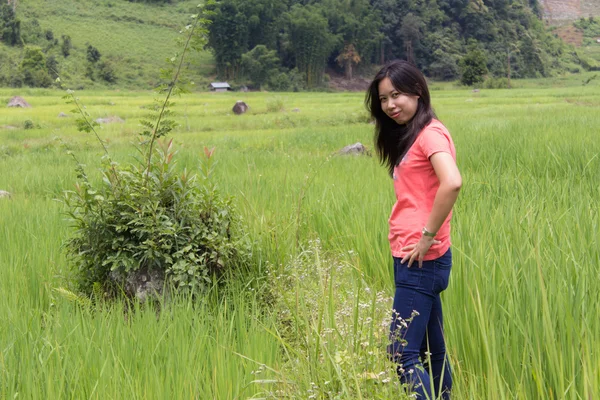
(395, 95)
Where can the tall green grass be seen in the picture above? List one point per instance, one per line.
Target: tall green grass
(522, 308)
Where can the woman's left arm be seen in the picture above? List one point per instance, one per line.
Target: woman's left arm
(450, 183)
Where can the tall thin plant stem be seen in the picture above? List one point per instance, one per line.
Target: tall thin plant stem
(169, 93)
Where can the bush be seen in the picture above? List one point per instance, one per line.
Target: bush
(33, 68)
(162, 221)
(106, 71)
(93, 55)
(275, 104)
(291, 81)
(66, 45)
(473, 66)
(495, 83)
(28, 124)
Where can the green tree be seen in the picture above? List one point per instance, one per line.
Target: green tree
(34, 69)
(310, 41)
(228, 37)
(10, 26)
(66, 45)
(106, 71)
(263, 21)
(473, 66)
(356, 26)
(93, 55)
(260, 64)
(410, 31)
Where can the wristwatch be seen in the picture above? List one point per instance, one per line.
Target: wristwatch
(425, 232)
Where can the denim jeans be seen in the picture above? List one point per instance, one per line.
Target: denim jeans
(417, 333)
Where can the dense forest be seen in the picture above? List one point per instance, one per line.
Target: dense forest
(293, 44)
(266, 41)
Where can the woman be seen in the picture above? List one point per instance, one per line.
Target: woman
(419, 153)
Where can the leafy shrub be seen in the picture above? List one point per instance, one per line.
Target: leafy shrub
(66, 45)
(153, 219)
(495, 83)
(106, 71)
(33, 68)
(291, 81)
(28, 124)
(473, 66)
(275, 104)
(93, 55)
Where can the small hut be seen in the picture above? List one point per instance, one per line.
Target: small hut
(219, 87)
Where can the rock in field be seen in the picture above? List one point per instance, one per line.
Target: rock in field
(110, 120)
(18, 101)
(4, 194)
(356, 149)
(240, 107)
(142, 284)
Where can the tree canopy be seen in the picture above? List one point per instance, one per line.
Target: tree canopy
(311, 36)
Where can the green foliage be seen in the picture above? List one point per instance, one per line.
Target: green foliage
(310, 41)
(28, 124)
(590, 27)
(106, 71)
(228, 37)
(495, 83)
(66, 45)
(10, 70)
(10, 26)
(291, 81)
(260, 64)
(275, 104)
(31, 32)
(473, 67)
(93, 55)
(156, 219)
(33, 67)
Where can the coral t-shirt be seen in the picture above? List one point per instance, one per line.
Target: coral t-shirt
(416, 185)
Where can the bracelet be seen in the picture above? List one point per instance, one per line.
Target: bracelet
(425, 232)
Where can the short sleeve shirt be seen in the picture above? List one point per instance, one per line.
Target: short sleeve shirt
(416, 185)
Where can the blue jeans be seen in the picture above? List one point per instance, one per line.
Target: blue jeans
(417, 333)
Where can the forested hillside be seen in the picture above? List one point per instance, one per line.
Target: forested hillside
(448, 39)
(278, 44)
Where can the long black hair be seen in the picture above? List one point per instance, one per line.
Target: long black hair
(392, 140)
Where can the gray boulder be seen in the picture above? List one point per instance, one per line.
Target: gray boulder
(110, 120)
(240, 107)
(18, 101)
(356, 149)
(143, 284)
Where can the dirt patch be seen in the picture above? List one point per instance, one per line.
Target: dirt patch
(340, 84)
(571, 35)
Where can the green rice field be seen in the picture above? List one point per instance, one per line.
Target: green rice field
(522, 312)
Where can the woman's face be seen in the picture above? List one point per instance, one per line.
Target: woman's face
(398, 106)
